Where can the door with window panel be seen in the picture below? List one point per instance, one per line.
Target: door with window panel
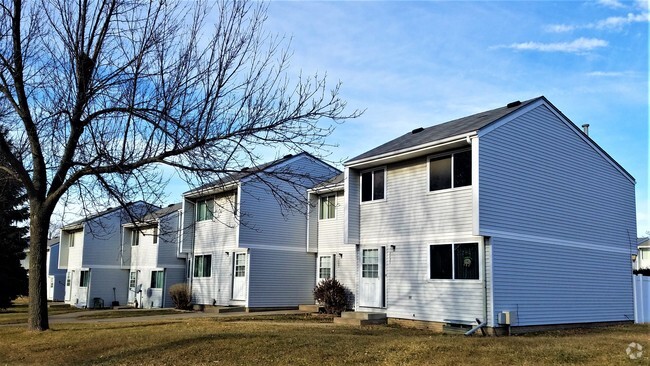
(372, 278)
(239, 277)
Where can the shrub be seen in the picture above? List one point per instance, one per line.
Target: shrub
(181, 296)
(332, 295)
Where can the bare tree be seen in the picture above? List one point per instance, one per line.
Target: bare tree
(98, 95)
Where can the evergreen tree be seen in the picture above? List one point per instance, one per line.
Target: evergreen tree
(13, 211)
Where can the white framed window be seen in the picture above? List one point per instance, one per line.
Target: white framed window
(325, 267)
(51, 282)
(71, 240)
(449, 171)
(454, 261)
(328, 207)
(370, 263)
(68, 279)
(157, 279)
(84, 278)
(202, 265)
(205, 209)
(240, 265)
(135, 238)
(373, 185)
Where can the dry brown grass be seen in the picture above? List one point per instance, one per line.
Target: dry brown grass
(299, 340)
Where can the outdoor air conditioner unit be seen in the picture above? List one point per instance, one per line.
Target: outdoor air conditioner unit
(507, 317)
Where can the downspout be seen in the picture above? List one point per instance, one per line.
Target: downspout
(486, 241)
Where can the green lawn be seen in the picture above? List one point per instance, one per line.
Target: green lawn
(303, 340)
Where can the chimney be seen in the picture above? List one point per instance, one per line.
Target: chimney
(585, 128)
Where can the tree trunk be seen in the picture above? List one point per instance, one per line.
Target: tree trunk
(38, 228)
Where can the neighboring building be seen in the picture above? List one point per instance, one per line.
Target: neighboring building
(643, 254)
(513, 213)
(334, 258)
(151, 249)
(248, 249)
(55, 275)
(91, 252)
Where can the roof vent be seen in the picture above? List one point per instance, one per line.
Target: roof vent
(513, 104)
(417, 130)
(170, 205)
(288, 156)
(244, 169)
(585, 128)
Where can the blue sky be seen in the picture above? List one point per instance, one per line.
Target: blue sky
(412, 64)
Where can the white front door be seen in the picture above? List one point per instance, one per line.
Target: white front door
(239, 277)
(68, 285)
(372, 278)
(133, 280)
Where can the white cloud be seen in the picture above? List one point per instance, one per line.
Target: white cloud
(611, 23)
(579, 45)
(615, 4)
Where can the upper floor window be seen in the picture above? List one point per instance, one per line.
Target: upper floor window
(450, 171)
(454, 261)
(71, 240)
(135, 238)
(204, 209)
(373, 185)
(328, 207)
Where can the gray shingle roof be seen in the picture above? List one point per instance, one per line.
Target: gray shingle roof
(162, 212)
(78, 224)
(331, 182)
(441, 131)
(237, 176)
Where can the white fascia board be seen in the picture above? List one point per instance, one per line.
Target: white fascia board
(327, 189)
(408, 152)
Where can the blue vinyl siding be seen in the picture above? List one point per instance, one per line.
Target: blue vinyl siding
(561, 217)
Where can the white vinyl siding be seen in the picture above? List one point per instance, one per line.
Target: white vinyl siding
(413, 214)
(560, 216)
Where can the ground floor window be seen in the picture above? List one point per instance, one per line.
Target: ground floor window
(157, 278)
(325, 268)
(454, 261)
(202, 265)
(84, 278)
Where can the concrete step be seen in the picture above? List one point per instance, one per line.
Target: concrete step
(358, 322)
(224, 309)
(362, 315)
(309, 308)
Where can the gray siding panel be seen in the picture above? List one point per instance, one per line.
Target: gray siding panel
(352, 207)
(410, 294)
(561, 217)
(410, 211)
(280, 278)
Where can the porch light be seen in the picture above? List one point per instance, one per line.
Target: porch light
(340, 255)
(392, 247)
(227, 253)
(633, 257)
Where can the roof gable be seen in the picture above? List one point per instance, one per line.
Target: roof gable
(441, 131)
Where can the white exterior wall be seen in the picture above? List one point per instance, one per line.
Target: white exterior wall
(562, 222)
(411, 218)
(330, 236)
(216, 237)
(55, 276)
